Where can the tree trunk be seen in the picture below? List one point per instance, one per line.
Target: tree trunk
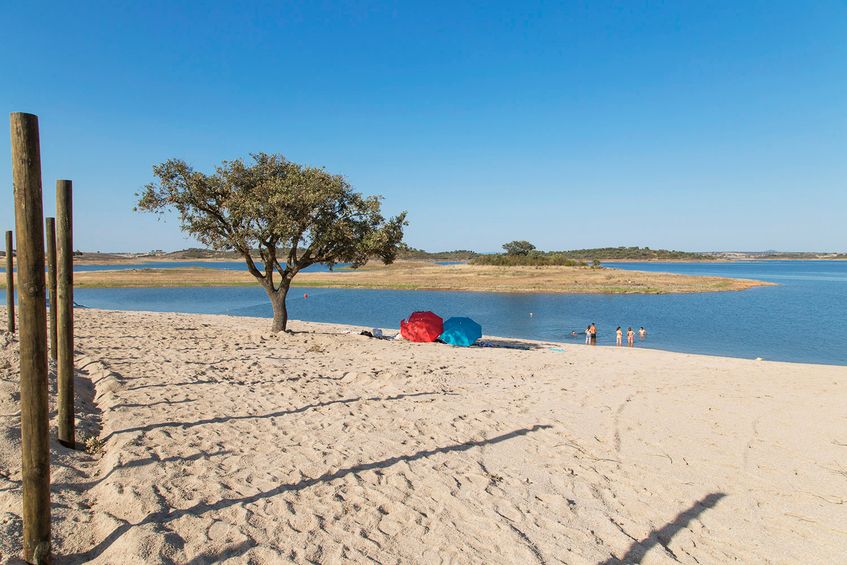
(280, 310)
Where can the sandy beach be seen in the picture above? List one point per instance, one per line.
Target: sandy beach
(224, 443)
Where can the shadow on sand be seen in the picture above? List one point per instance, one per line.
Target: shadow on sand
(153, 460)
(230, 552)
(664, 535)
(202, 508)
(501, 343)
(278, 413)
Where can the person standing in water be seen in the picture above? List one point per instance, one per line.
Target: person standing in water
(642, 333)
(630, 337)
(593, 332)
(618, 336)
(587, 335)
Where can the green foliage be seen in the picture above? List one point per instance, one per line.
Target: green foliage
(196, 253)
(533, 259)
(524, 253)
(634, 254)
(294, 215)
(521, 247)
(406, 252)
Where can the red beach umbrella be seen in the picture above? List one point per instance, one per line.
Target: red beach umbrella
(422, 327)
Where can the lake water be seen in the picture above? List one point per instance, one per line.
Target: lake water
(804, 319)
(226, 265)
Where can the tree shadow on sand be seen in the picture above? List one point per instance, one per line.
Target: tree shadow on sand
(230, 552)
(127, 405)
(278, 413)
(229, 382)
(152, 460)
(664, 535)
(202, 507)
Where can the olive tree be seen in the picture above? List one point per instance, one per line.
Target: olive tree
(293, 216)
(521, 247)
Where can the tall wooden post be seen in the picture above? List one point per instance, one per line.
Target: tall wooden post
(10, 285)
(35, 438)
(65, 310)
(50, 225)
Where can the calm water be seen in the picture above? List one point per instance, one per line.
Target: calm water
(225, 265)
(804, 319)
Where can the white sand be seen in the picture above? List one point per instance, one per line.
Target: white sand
(227, 444)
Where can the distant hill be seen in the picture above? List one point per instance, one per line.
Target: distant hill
(571, 257)
(533, 259)
(785, 255)
(635, 254)
(196, 253)
(407, 252)
(581, 257)
(199, 253)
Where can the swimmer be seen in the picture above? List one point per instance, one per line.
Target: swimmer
(618, 336)
(642, 333)
(630, 337)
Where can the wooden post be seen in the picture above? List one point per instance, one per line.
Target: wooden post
(50, 224)
(10, 285)
(65, 310)
(35, 421)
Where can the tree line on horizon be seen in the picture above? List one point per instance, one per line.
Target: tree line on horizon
(406, 252)
(524, 253)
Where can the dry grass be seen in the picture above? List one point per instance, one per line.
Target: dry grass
(427, 276)
(418, 275)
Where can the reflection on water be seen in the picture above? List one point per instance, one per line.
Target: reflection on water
(803, 319)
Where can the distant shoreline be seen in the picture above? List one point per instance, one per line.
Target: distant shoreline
(148, 259)
(724, 261)
(426, 275)
(407, 253)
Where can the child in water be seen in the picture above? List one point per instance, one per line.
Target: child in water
(630, 337)
(619, 335)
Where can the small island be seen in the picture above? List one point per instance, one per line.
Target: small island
(426, 275)
(521, 268)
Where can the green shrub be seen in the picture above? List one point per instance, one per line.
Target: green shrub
(533, 259)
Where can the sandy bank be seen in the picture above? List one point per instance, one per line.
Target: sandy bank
(420, 275)
(225, 443)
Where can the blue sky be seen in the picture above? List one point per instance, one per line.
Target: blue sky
(687, 125)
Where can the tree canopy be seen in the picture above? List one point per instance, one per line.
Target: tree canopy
(294, 215)
(518, 247)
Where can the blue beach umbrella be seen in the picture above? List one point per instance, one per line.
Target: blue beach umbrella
(460, 331)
